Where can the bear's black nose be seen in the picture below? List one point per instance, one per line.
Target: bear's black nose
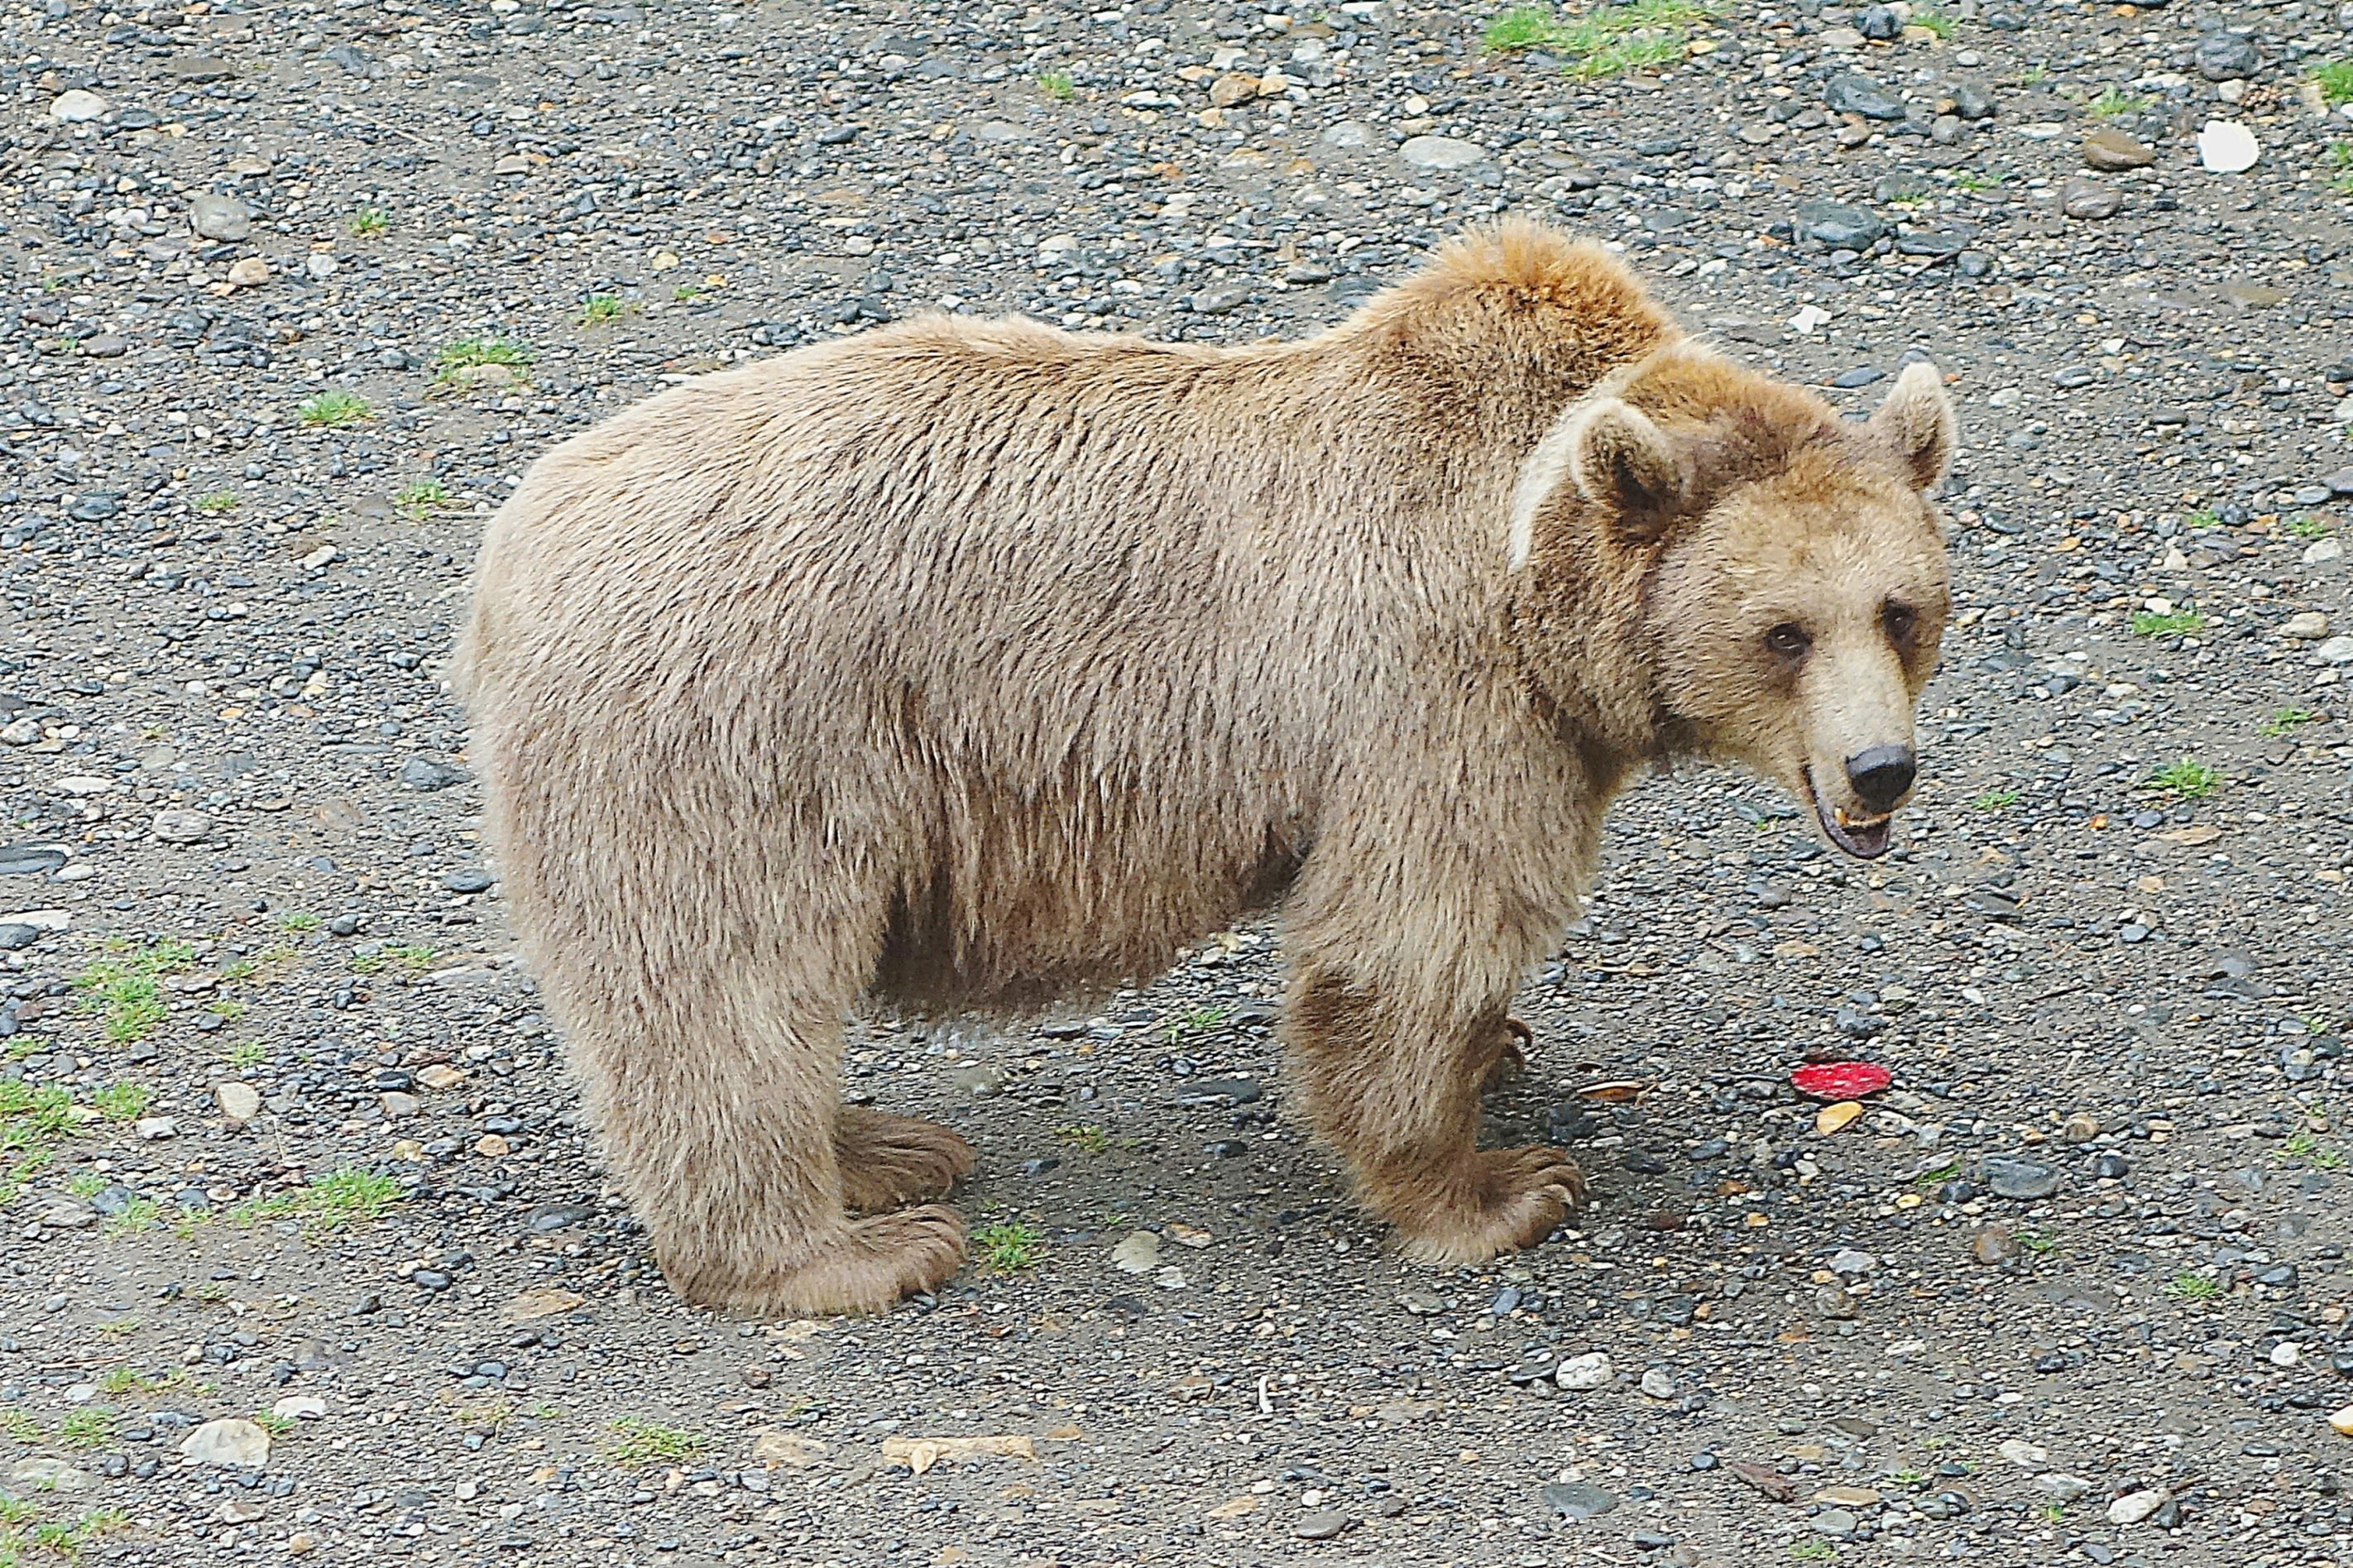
(1880, 775)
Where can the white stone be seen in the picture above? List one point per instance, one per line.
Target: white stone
(83, 784)
(2336, 651)
(2227, 147)
(1347, 133)
(2320, 552)
(2138, 1506)
(240, 1102)
(1658, 1383)
(181, 827)
(1847, 1260)
(76, 107)
(1583, 1375)
(2024, 1455)
(2066, 1488)
(2286, 1353)
(319, 264)
(299, 1408)
(2305, 626)
(1139, 1254)
(232, 1440)
(1441, 153)
(152, 1128)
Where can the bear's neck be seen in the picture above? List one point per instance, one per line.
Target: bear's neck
(1575, 619)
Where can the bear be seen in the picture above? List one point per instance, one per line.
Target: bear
(971, 663)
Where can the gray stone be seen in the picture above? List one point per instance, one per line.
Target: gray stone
(1322, 1525)
(1348, 134)
(2135, 1507)
(1659, 1383)
(2019, 1179)
(181, 827)
(1440, 152)
(2336, 651)
(2085, 197)
(1839, 226)
(75, 106)
(41, 1474)
(220, 217)
(1851, 93)
(1576, 1501)
(1218, 301)
(2224, 55)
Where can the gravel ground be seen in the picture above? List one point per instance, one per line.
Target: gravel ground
(305, 1254)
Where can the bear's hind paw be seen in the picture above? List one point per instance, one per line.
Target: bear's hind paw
(1519, 1196)
(867, 1266)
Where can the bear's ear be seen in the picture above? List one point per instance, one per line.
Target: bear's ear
(1619, 457)
(1918, 421)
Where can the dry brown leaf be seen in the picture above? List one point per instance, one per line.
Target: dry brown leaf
(543, 1301)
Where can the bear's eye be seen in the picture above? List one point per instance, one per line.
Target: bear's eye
(1789, 640)
(1901, 620)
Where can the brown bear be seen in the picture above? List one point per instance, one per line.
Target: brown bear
(971, 663)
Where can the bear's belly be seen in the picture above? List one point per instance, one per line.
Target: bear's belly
(1025, 923)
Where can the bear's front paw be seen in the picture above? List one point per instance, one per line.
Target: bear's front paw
(1513, 1199)
(862, 1266)
(1514, 1041)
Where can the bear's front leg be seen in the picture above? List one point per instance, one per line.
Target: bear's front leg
(1396, 1094)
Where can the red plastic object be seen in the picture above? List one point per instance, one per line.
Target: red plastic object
(1841, 1080)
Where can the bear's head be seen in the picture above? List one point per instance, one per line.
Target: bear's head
(1783, 570)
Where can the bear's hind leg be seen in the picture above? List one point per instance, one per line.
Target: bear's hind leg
(887, 1160)
(1398, 1095)
(712, 1075)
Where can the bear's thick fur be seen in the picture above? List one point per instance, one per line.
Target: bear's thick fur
(973, 662)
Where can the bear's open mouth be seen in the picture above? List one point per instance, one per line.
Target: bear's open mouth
(1865, 838)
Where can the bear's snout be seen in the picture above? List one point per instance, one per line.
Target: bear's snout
(1880, 775)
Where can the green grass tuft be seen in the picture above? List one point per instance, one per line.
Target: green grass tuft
(326, 409)
(218, 501)
(1601, 42)
(636, 1441)
(1996, 800)
(2336, 82)
(2188, 779)
(331, 1203)
(367, 223)
(2170, 623)
(1057, 85)
(122, 1102)
(2285, 720)
(600, 310)
(2189, 1286)
(1008, 1247)
(124, 989)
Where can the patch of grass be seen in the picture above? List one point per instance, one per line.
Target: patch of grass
(2167, 623)
(2032, 76)
(1972, 181)
(123, 988)
(1936, 21)
(601, 310)
(1057, 85)
(367, 223)
(1195, 1021)
(122, 1102)
(218, 501)
(246, 1053)
(122, 1381)
(2336, 80)
(1938, 1176)
(1084, 1136)
(2340, 159)
(2038, 1241)
(489, 1417)
(2189, 1286)
(141, 1215)
(14, 1510)
(1008, 1247)
(1813, 1550)
(635, 1442)
(2115, 101)
(88, 1427)
(2188, 779)
(2284, 720)
(454, 359)
(1996, 800)
(30, 1119)
(86, 1185)
(2304, 1146)
(324, 410)
(415, 960)
(225, 1009)
(18, 1426)
(421, 497)
(269, 1421)
(2308, 527)
(685, 294)
(1603, 41)
(129, 1323)
(331, 1203)
(299, 920)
